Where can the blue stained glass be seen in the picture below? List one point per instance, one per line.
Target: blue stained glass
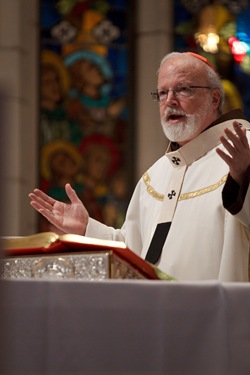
(243, 25)
(186, 25)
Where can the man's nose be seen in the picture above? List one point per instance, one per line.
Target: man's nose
(170, 99)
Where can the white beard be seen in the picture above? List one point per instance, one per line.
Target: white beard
(188, 127)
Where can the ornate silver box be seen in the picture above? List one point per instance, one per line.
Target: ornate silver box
(47, 255)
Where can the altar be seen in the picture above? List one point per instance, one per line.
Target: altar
(124, 327)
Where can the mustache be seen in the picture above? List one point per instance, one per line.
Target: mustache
(173, 111)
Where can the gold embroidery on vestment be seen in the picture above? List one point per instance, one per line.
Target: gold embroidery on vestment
(183, 196)
(150, 189)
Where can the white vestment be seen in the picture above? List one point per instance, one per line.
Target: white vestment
(184, 187)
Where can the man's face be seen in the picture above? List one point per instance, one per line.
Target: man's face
(184, 118)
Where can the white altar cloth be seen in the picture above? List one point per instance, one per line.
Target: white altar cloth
(124, 328)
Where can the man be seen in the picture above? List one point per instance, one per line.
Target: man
(190, 212)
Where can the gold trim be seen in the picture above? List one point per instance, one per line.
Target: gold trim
(205, 190)
(184, 196)
(150, 189)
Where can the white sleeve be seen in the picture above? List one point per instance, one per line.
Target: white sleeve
(130, 233)
(95, 229)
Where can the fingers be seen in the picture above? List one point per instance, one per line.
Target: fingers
(45, 201)
(238, 138)
(223, 156)
(46, 212)
(241, 132)
(49, 216)
(237, 156)
(228, 146)
(236, 141)
(44, 205)
(41, 200)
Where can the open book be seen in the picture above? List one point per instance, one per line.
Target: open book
(51, 243)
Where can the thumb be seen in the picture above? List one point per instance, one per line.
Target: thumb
(73, 197)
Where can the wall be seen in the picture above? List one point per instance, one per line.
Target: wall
(19, 42)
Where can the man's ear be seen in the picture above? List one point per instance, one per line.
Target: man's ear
(216, 98)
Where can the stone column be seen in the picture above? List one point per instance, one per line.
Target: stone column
(154, 40)
(19, 47)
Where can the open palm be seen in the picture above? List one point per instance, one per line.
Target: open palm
(69, 217)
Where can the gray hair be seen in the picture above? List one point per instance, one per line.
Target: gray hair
(212, 77)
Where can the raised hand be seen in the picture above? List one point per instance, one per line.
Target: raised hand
(237, 146)
(69, 218)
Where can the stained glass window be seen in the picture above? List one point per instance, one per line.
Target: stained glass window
(220, 31)
(85, 119)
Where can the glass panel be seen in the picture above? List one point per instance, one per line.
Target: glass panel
(220, 31)
(86, 123)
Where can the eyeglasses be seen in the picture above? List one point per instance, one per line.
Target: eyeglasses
(180, 91)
